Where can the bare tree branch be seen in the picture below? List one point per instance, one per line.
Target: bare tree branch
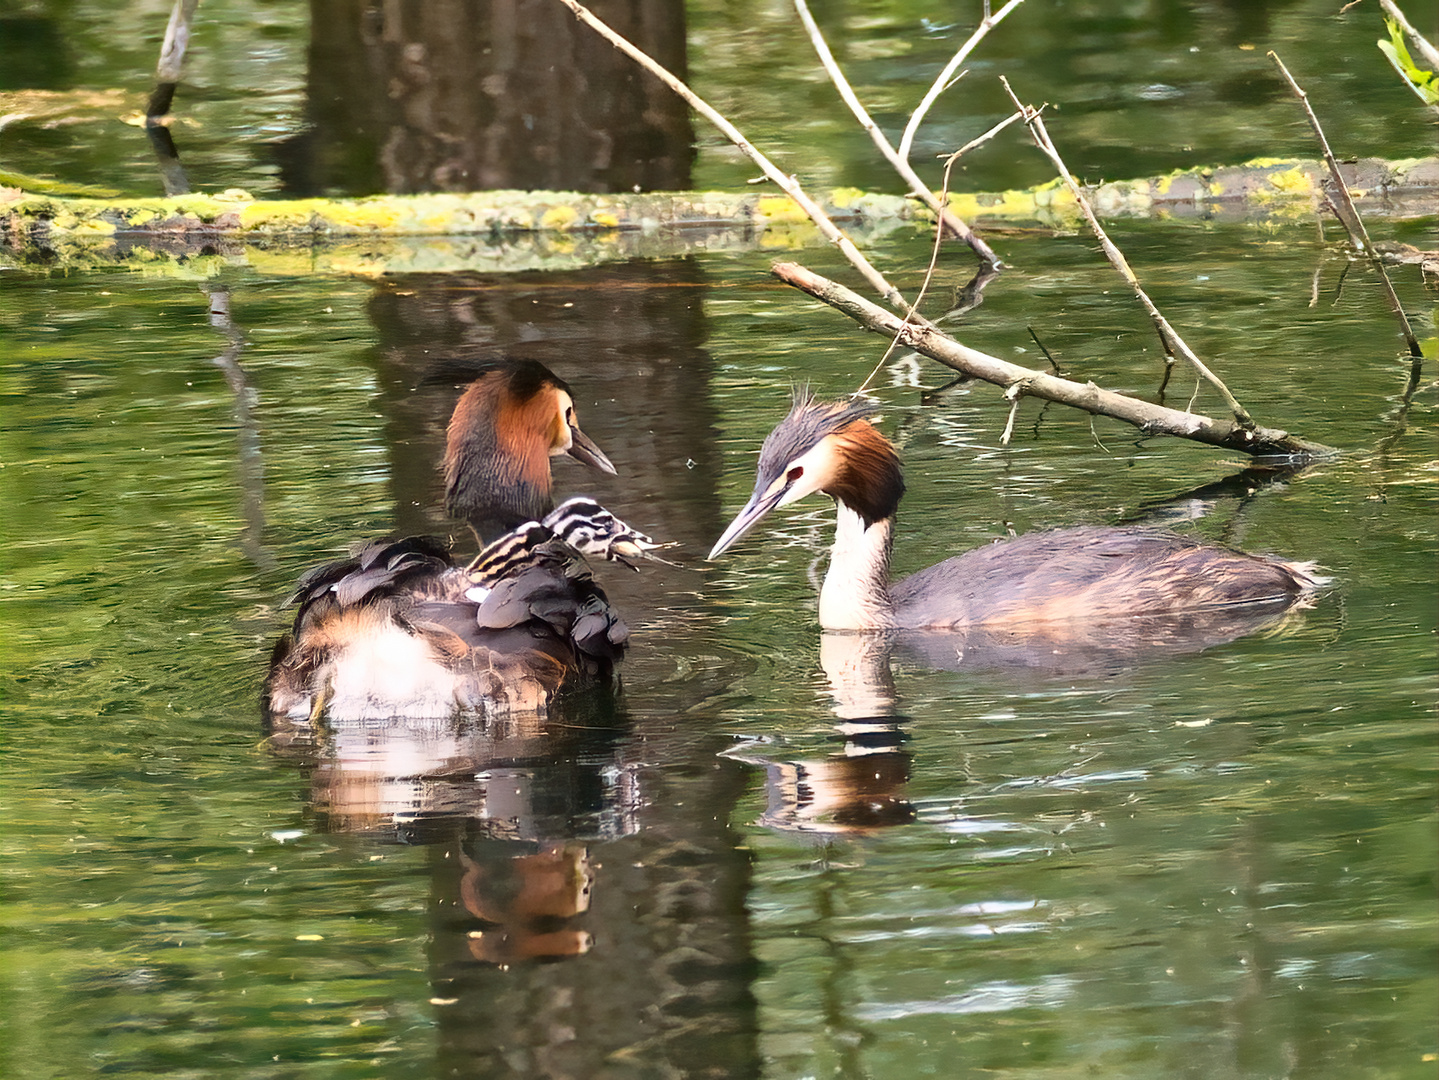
(975, 143)
(788, 184)
(901, 164)
(945, 77)
(1151, 419)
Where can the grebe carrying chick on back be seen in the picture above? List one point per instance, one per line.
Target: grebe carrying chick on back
(401, 630)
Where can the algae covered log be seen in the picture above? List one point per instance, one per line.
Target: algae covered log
(1260, 185)
(511, 230)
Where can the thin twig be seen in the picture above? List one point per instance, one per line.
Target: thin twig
(1053, 364)
(1344, 208)
(1349, 216)
(928, 277)
(901, 163)
(788, 184)
(1168, 337)
(1094, 434)
(944, 78)
(991, 133)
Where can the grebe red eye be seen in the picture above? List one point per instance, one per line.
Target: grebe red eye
(794, 474)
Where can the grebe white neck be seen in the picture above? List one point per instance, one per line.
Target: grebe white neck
(855, 593)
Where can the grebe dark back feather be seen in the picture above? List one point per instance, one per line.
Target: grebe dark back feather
(400, 630)
(1040, 579)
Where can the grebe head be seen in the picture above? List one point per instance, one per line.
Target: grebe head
(503, 432)
(825, 446)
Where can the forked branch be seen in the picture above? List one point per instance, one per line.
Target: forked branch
(1151, 419)
(946, 76)
(788, 184)
(899, 159)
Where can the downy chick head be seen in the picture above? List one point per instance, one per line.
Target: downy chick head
(595, 532)
(822, 446)
(503, 432)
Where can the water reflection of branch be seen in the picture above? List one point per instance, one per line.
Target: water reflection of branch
(167, 77)
(252, 465)
(1240, 488)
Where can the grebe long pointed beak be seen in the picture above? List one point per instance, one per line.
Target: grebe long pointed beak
(582, 448)
(760, 504)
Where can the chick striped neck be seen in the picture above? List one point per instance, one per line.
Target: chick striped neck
(517, 549)
(855, 593)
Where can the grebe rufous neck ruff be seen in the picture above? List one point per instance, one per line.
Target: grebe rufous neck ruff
(1040, 579)
(503, 432)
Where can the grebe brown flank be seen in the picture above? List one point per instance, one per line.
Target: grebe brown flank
(1088, 573)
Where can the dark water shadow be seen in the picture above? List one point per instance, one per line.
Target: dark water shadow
(587, 896)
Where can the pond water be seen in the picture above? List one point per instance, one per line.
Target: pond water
(1219, 863)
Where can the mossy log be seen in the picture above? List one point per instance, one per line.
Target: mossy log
(490, 230)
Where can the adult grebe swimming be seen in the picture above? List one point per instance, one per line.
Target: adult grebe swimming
(401, 630)
(1038, 581)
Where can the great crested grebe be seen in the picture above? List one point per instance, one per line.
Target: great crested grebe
(1035, 582)
(400, 630)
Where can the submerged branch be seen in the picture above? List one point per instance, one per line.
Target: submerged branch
(1149, 418)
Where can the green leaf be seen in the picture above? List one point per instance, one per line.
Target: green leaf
(1425, 83)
